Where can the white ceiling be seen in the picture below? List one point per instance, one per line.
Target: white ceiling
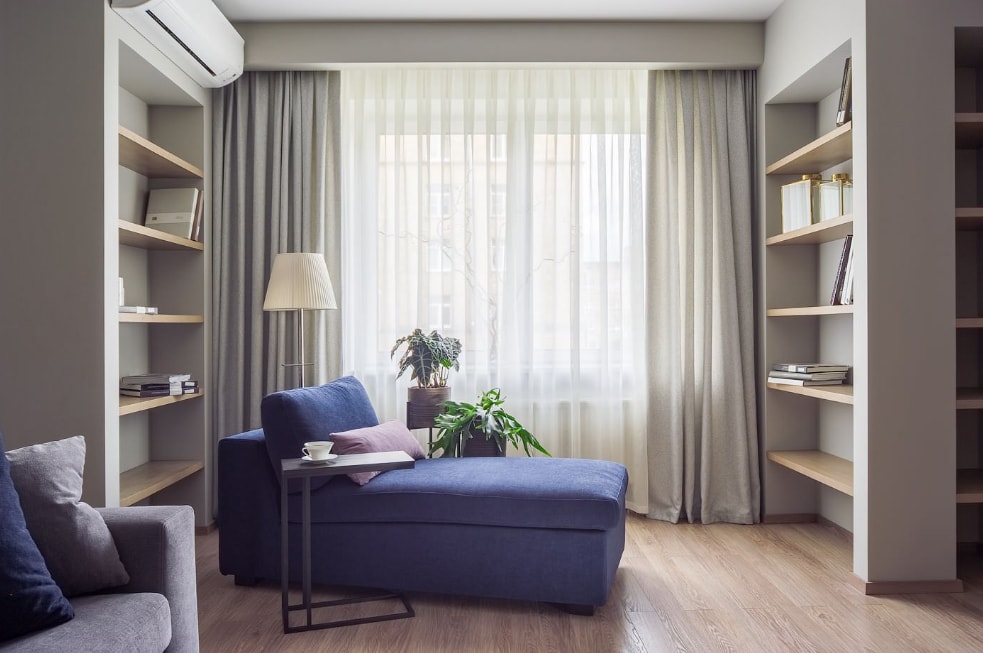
(309, 10)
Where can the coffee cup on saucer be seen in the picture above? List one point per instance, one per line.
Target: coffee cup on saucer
(319, 450)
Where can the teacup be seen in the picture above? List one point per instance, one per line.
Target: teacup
(319, 450)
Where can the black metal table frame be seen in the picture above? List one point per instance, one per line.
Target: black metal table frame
(295, 469)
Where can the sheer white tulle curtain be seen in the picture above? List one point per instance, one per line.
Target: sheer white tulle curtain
(505, 208)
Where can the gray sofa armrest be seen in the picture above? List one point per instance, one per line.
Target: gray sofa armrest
(157, 547)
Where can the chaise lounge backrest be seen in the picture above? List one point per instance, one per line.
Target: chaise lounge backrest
(293, 417)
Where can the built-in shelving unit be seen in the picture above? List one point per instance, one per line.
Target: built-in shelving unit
(828, 469)
(808, 430)
(968, 129)
(164, 446)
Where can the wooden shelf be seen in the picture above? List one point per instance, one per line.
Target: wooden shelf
(141, 482)
(969, 398)
(136, 235)
(143, 318)
(969, 322)
(969, 486)
(823, 232)
(825, 152)
(969, 130)
(829, 470)
(130, 405)
(969, 218)
(842, 394)
(143, 157)
(804, 311)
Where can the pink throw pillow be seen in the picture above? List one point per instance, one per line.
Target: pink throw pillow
(390, 436)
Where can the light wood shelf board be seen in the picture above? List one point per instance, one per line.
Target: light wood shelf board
(828, 469)
(969, 399)
(805, 311)
(841, 394)
(130, 405)
(143, 318)
(150, 160)
(137, 235)
(823, 232)
(969, 218)
(143, 481)
(969, 130)
(825, 152)
(969, 322)
(969, 486)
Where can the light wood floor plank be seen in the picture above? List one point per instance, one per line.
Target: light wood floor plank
(680, 587)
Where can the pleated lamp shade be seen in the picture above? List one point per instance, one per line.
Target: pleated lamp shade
(299, 281)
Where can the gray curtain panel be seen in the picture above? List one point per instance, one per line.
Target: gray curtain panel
(702, 428)
(276, 188)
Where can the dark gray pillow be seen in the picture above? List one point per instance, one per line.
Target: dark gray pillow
(72, 536)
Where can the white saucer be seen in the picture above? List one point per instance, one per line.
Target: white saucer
(308, 459)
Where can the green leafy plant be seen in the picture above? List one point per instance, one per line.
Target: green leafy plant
(461, 420)
(431, 356)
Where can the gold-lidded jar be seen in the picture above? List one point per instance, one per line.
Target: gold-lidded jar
(800, 203)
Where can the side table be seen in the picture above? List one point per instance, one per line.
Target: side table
(297, 468)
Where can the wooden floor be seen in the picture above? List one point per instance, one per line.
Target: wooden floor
(681, 587)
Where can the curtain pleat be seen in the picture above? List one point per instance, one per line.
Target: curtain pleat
(276, 189)
(702, 433)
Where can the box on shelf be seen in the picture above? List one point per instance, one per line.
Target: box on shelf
(836, 196)
(800, 203)
(172, 210)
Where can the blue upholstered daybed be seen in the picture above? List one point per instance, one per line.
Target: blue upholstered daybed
(535, 529)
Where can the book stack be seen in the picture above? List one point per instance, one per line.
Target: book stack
(158, 385)
(808, 374)
(843, 283)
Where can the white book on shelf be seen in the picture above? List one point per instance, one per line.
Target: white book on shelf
(810, 367)
(804, 382)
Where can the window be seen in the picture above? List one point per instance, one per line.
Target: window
(504, 208)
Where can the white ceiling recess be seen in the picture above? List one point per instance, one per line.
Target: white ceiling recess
(500, 10)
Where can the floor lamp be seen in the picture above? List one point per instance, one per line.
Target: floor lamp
(299, 282)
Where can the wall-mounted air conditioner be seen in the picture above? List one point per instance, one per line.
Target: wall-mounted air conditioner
(192, 33)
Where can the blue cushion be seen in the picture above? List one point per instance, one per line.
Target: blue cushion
(29, 599)
(293, 417)
(558, 493)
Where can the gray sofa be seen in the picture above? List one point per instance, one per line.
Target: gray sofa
(156, 611)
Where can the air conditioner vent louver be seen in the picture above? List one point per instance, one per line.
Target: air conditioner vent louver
(181, 43)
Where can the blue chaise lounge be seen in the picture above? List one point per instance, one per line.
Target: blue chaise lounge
(533, 529)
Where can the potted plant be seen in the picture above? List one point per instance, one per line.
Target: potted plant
(481, 429)
(431, 357)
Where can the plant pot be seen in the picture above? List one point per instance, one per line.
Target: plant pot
(479, 446)
(428, 396)
(423, 404)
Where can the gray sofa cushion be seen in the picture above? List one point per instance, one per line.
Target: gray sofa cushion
(73, 538)
(107, 623)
